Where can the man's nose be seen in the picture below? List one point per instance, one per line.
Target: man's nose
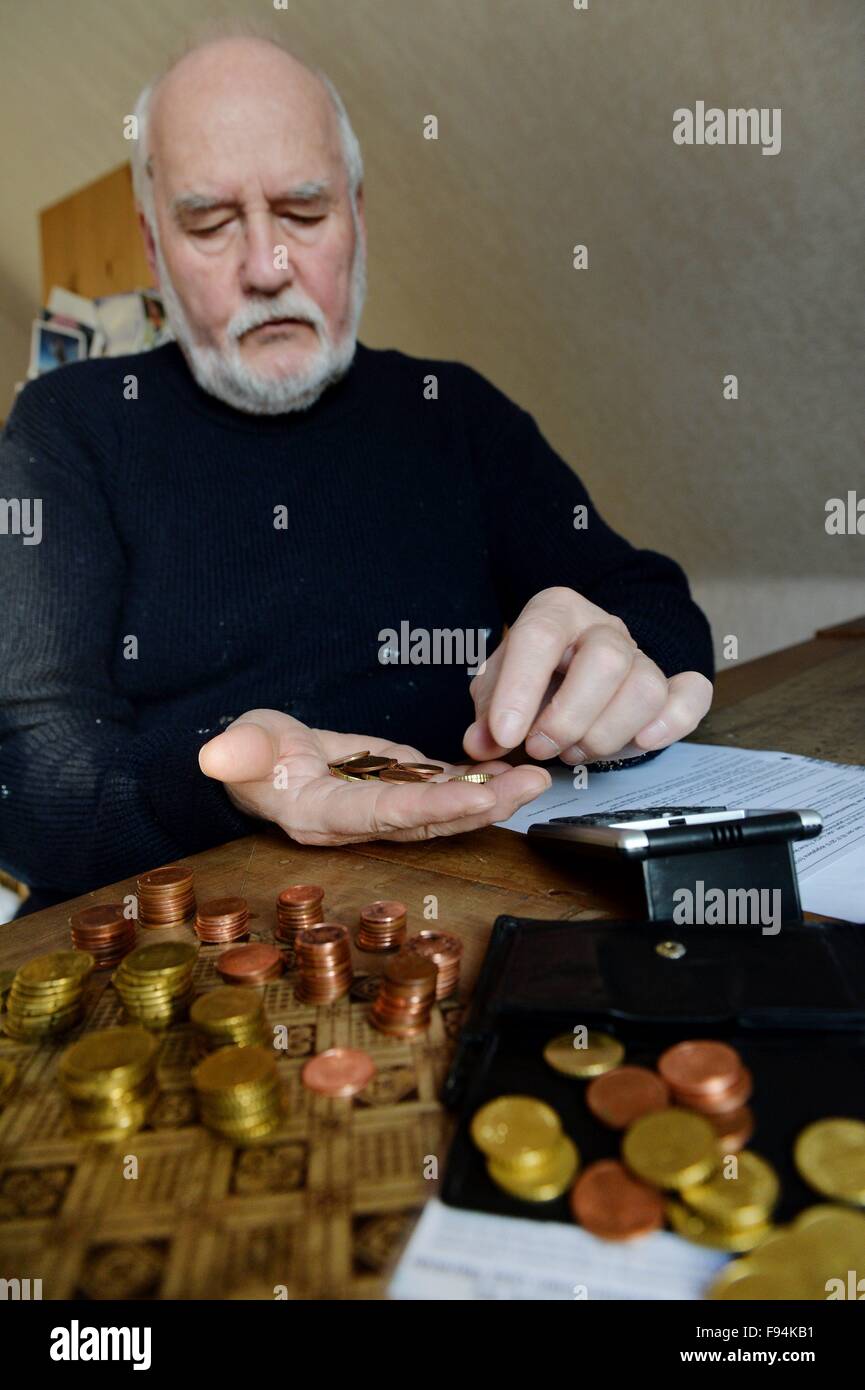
(267, 264)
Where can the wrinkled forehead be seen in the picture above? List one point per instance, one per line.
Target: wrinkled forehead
(263, 124)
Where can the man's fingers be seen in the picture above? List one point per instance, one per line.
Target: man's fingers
(640, 697)
(688, 700)
(603, 661)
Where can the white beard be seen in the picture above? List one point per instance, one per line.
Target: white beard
(222, 372)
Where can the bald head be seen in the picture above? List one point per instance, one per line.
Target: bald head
(248, 178)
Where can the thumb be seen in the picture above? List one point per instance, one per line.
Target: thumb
(245, 752)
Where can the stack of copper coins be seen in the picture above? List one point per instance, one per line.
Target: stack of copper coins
(445, 952)
(298, 907)
(706, 1076)
(165, 896)
(382, 926)
(222, 919)
(254, 964)
(404, 1002)
(324, 962)
(104, 932)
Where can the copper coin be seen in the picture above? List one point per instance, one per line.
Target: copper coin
(701, 1068)
(169, 877)
(389, 911)
(325, 935)
(399, 774)
(98, 918)
(242, 962)
(410, 969)
(349, 758)
(721, 1102)
(340, 1071)
(436, 943)
(621, 1096)
(301, 894)
(425, 769)
(222, 907)
(734, 1130)
(612, 1204)
(369, 763)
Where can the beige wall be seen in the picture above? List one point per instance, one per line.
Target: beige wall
(556, 128)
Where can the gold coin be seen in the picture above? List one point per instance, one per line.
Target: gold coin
(741, 1201)
(160, 958)
(601, 1053)
(671, 1148)
(117, 1051)
(237, 1068)
(473, 777)
(830, 1156)
(747, 1279)
(699, 1231)
(545, 1183)
(513, 1129)
(56, 967)
(225, 1005)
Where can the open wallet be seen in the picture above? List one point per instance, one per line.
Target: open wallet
(793, 1006)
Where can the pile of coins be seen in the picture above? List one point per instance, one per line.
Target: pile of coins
(238, 1092)
(103, 931)
(324, 963)
(109, 1078)
(297, 907)
(403, 1005)
(528, 1154)
(155, 982)
(166, 897)
(382, 926)
(339, 1072)
(376, 767)
(222, 919)
(809, 1259)
(254, 964)
(445, 952)
(229, 1015)
(47, 995)
(706, 1076)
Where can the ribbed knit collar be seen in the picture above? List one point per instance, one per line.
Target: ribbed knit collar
(337, 400)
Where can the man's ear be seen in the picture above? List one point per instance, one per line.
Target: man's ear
(149, 245)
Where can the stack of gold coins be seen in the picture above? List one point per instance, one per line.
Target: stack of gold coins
(810, 1259)
(155, 982)
(297, 907)
(47, 995)
(528, 1154)
(222, 919)
(229, 1014)
(732, 1209)
(109, 1078)
(238, 1092)
(706, 1076)
(324, 962)
(403, 1005)
(382, 926)
(445, 952)
(166, 897)
(103, 931)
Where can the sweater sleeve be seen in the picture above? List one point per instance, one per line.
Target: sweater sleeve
(543, 531)
(86, 796)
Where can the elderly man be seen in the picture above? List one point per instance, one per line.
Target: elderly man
(241, 527)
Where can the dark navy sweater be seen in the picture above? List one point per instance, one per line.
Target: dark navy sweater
(158, 526)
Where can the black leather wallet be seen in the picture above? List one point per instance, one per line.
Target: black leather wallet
(793, 1005)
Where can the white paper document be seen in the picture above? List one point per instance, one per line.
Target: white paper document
(455, 1254)
(831, 868)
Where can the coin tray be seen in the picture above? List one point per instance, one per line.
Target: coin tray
(793, 1006)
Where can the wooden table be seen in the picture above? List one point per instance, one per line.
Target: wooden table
(321, 1206)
